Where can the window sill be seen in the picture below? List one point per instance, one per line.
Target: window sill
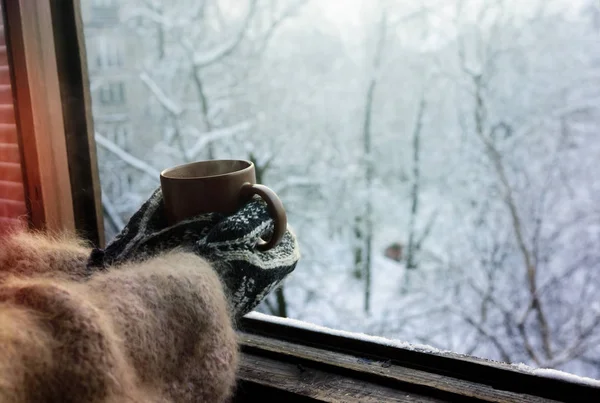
(297, 364)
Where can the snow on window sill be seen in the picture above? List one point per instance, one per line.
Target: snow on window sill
(518, 367)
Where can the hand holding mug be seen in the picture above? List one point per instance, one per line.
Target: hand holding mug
(216, 210)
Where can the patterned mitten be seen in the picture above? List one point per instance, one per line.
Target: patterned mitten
(248, 274)
(227, 242)
(147, 233)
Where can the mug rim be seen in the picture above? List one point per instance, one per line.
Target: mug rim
(165, 172)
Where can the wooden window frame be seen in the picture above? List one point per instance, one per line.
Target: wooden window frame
(288, 363)
(46, 45)
(46, 51)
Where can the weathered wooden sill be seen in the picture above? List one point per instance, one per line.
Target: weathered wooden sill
(283, 363)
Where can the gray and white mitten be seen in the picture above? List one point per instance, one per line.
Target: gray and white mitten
(228, 242)
(248, 274)
(147, 234)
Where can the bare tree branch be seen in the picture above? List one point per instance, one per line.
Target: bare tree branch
(169, 105)
(505, 356)
(126, 157)
(204, 139)
(207, 57)
(112, 214)
(416, 182)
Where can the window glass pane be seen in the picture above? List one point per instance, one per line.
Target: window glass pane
(438, 159)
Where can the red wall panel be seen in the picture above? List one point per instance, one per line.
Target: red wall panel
(13, 210)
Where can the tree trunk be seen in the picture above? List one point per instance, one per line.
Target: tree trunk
(281, 303)
(367, 235)
(411, 258)
(358, 248)
(204, 108)
(535, 305)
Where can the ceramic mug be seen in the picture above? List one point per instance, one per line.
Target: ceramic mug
(218, 186)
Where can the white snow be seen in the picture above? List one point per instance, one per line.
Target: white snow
(556, 374)
(351, 335)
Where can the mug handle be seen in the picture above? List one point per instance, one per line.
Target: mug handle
(275, 208)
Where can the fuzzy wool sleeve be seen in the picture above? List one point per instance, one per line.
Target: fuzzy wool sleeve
(33, 254)
(157, 331)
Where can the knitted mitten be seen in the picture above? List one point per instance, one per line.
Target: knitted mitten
(248, 274)
(147, 233)
(228, 242)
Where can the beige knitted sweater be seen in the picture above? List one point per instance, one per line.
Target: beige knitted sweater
(157, 331)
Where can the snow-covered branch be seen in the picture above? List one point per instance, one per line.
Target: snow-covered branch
(160, 95)
(204, 139)
(126, 157)
(206, 57)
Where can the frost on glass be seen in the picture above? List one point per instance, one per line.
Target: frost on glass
(438, 158)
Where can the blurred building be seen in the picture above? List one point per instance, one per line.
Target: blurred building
(114, 87)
